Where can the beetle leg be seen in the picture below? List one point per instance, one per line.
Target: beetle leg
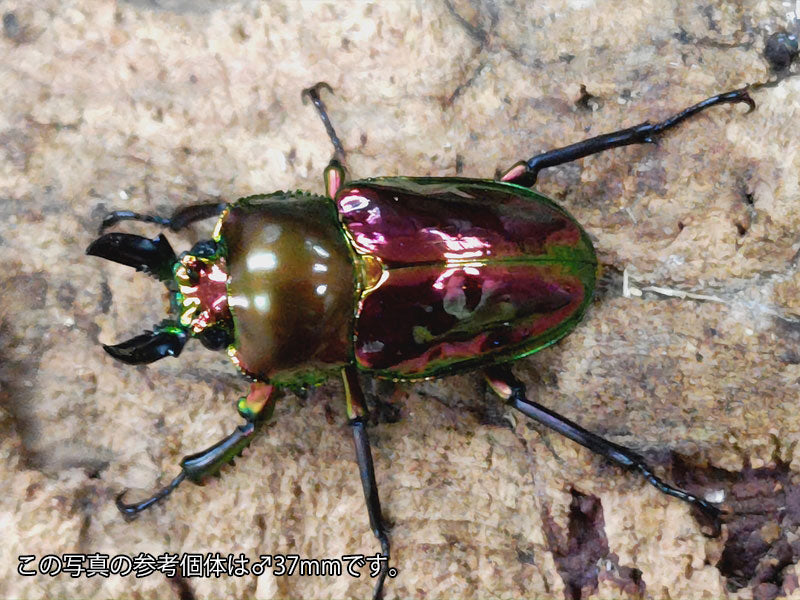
(525, 172)
(183, 217)
(335, 171)
(357, 417)
(334, 178)
(512, 390)
(312, 94)
(256, 408)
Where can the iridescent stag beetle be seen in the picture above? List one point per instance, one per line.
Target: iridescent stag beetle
(404, 278)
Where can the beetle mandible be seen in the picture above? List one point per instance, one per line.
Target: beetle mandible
(296, 287)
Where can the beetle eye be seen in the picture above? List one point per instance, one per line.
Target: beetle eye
(215, 338)
(204, 249)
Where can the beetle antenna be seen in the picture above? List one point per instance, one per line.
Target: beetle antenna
(312, 93)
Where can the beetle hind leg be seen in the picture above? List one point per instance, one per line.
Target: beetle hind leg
(357, 416)
(512, 390)
(256, 408)
(525, 172)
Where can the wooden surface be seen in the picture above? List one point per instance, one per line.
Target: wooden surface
(152, 105)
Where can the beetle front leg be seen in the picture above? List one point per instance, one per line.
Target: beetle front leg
(181, 218)
(525, 172)
(257, 408)
(512, 390)
(357, 416)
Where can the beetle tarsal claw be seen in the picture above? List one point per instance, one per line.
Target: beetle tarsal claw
(312, 92)
(715, 524)
(125, 509)
(154, 257)
(132, 510)
(149, 347)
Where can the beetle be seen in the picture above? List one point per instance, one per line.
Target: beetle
(405, 278)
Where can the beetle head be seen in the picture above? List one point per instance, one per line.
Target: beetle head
(197, 281)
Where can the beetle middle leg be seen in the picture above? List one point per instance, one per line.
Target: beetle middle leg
(256, 408)
(512, 390)
(357, 417)
(335, 172)
(525, 172)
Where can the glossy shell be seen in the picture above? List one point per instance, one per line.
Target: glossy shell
(460, 273)
(291, 287)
